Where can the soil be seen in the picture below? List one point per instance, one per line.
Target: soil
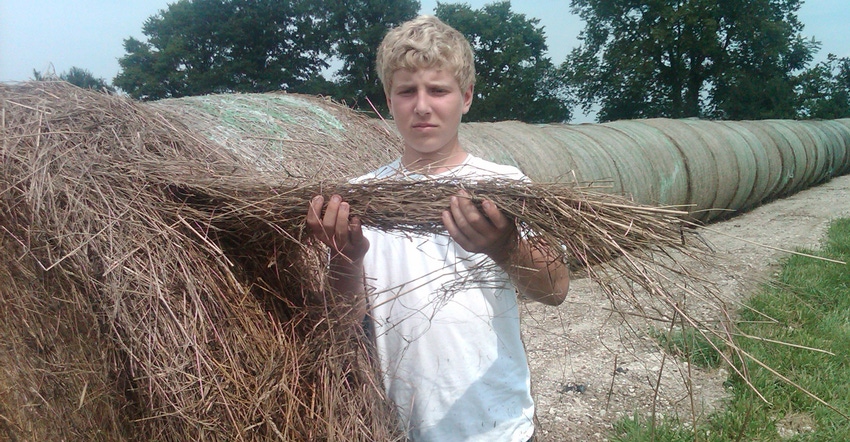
(590, 367)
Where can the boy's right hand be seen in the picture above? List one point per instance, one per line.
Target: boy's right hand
(334, 229)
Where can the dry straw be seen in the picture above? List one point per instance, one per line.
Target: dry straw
(155, 285)
(122, 323)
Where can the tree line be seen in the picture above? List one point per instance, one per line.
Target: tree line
(737, 59)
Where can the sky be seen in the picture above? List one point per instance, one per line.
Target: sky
(55, 35)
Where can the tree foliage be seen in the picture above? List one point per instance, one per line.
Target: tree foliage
(212, 46)
(357, 28)
(732, 59)
(515, 80)
(76, 76)
(208, 46)
(825, 89)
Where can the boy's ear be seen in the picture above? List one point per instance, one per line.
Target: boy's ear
(467, 98)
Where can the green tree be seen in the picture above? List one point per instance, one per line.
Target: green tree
(515, 80)
(733, 59)
(825, 89)
(210, 46)
(357, 28)
(78, 77)
(761, 56)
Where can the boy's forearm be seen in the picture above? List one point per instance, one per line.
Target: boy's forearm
(536, 272)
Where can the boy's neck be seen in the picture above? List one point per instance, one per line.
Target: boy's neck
(427, 165)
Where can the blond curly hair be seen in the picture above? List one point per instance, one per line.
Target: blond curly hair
(424, 43)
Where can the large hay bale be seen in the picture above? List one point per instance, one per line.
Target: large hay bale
(288, 134)
(125, 321)
(699, 163)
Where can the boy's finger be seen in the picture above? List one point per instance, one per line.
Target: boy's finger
(476, 219)
(451, 226)
(329, 220)
(495, 215)
(463, 236)
(314, 211)
(355, 230)
(342, 228)
(358, 241)
(460, 215)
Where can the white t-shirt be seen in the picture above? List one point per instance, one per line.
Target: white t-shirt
(447, 329)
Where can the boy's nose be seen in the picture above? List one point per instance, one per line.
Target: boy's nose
(422, 105)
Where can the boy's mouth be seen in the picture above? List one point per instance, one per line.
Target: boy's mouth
(423, 125)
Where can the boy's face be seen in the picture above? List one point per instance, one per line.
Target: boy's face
(427, 105)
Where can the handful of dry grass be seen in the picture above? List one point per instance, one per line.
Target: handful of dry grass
(591, 227)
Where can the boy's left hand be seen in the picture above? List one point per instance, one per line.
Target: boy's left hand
(486, 231)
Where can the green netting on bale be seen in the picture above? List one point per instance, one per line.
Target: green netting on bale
(698, 160)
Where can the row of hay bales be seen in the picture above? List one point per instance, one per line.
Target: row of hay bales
(715, 168)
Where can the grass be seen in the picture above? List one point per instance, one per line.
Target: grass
(809, 306)
(690, 346)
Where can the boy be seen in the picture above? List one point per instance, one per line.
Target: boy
(443, 307)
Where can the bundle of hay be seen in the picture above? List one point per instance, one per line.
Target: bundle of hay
(156, 285)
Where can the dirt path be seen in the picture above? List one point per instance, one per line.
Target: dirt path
(588, 369)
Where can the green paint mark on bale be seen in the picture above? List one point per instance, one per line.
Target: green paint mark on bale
(265, 114)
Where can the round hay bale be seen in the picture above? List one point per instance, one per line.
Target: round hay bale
(516, 144)
(833, 134)
(728, 174)
(182, 330)
(699, 162)
(545, 153)
(765, 170)
(290, 134)
(805, 149)
(843, 126)
(745, 160)
(843, 131)
(791, 163)
(60, 377)
(635, 171)
(823, 167)
(664, 160)
(593, 165)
